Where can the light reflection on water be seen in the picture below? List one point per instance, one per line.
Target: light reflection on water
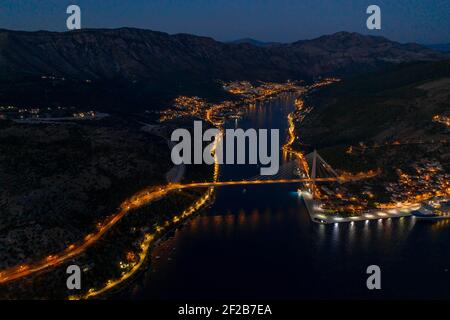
(262, 244)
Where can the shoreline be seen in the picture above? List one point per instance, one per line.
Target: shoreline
(145, 264)
(147, 242)
(317, 216)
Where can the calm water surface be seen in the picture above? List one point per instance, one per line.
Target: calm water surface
(260, 243)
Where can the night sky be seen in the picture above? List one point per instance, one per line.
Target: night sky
(423, 21)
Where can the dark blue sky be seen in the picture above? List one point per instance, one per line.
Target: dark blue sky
(424, 21)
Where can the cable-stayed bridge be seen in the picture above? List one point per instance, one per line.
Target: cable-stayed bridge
(288, 173)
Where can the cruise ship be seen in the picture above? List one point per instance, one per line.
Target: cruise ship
(435, 209)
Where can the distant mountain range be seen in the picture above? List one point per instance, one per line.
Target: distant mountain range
(135, 54)
(111, 68)
(254, 42)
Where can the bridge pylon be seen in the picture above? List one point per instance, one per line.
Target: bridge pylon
(318, 167)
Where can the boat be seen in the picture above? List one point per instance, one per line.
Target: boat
(436, 209)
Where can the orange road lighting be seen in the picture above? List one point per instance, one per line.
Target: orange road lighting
(236, 139)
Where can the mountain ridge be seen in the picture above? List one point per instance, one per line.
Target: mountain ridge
(132, 53)
(255, 42)
(442, 47)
